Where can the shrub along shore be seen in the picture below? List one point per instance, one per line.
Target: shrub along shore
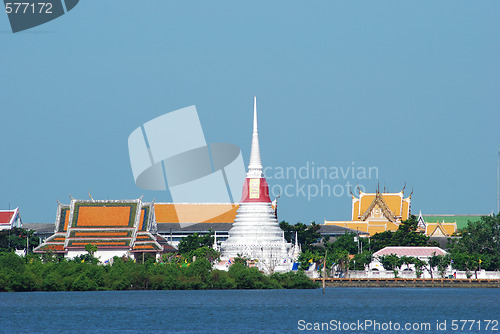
(57, 274)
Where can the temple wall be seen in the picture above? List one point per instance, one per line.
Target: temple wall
(411, 274)
(102, 255)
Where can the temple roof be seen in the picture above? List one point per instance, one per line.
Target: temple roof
(440, 229)
(125, 224)
(393, 206)
(410, 251)
(9, 218)
(194, 213)
(6, 217)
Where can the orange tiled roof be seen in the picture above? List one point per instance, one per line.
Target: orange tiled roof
(195, 213)
(145, 241)
(6, 217)
(440, 229)
(106, 224)
(395, 202)
(102, 216)
(54, 243)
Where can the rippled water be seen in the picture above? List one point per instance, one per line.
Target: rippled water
(248, 311)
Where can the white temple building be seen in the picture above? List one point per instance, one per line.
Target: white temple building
(256, 234)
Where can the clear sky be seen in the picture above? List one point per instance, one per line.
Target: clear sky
(409, 88)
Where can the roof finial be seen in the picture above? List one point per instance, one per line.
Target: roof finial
(91, 197)
(255, 165)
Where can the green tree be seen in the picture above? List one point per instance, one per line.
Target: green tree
(405, 235)
(361, 261)
(443, 264)
(419, 266)
(480, 240)
(221, 280)
(343, 242)
(390, 262)
(195, 241)
(91, 249)
(307, 234)
(207, 253)
(407, 260)
(432, 263)
(15, 239)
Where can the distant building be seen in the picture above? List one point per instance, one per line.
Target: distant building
(10, 219)
(377, 212)
(117, 228)
(422, 253)
(444, 225)
(460, 221)
(440, 229)
(178, 220)
(41, 230)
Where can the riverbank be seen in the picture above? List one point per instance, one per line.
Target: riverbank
(410, 283)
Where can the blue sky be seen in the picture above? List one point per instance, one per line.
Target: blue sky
(411, 88)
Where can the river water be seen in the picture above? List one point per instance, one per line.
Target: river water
(340, 310)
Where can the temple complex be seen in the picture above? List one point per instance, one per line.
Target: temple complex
(255, 233)
(117, 228)
(377, 212)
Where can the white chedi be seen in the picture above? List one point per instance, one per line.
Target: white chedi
(256, 234)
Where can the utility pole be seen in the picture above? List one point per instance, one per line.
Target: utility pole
(324, 270)
(357, 238)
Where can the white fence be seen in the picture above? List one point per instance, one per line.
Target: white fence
(411, 274)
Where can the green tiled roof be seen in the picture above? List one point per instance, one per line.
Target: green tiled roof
(461, 220)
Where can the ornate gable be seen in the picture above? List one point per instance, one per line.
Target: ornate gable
(378, 209)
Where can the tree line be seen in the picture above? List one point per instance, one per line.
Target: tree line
(57, 274)
(191, 268)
